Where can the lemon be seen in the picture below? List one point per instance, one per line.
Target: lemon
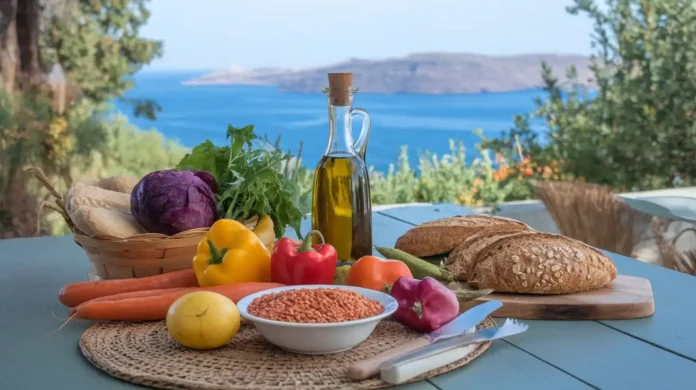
(203, 320)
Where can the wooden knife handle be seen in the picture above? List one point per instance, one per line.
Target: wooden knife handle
(368, 368)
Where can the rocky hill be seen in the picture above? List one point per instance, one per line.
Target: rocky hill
(423, 73)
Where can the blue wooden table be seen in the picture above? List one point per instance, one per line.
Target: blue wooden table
(658, 352)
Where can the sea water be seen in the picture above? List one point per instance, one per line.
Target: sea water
(192, 114)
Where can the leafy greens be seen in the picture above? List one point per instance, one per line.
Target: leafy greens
(250, 180)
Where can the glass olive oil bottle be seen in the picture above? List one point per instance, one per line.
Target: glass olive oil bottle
(341, 206)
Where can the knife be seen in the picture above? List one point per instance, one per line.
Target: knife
(411, 364)
(458, 326)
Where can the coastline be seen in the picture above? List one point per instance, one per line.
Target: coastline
(192, 114)
(420, 73)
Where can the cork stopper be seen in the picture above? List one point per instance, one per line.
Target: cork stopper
(339, 88)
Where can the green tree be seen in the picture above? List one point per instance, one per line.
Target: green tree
(635, 129)
(98, 46)
(59, 123)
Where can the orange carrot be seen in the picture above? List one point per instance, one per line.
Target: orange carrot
(76, 293)
(128, 295)
(155, 307)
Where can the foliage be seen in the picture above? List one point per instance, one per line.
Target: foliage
(22, 137)
(83, 144)
(97, 44)
(61, 125)
(637, 131)
(448, 178)
(128, 150)
(445, 179)
(250, 179)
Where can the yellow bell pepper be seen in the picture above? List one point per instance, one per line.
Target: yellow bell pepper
(231, 253)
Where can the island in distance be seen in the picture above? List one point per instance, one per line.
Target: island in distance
(423, 73)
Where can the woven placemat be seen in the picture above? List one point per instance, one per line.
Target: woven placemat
(145, 354)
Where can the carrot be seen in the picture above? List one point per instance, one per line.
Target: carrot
(151, 308)
(76, 293)
(128, 295)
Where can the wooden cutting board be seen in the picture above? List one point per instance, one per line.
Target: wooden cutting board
(627, 297)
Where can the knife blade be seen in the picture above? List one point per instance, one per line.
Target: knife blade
(458, 326)
(464, 321)
(411, 364)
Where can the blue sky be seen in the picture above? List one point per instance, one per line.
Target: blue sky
(215, 34)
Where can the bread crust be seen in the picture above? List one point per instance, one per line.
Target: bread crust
(461, 260)
(541, 263)
(443, 235)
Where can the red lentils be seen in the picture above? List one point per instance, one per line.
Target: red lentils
(321, 305)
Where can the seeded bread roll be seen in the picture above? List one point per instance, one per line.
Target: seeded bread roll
(540, 263)
(461, 261)
(441, 236)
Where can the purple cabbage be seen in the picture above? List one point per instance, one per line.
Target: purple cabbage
(171, 201)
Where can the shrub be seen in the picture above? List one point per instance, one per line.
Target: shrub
(446, 178)
(637, 131)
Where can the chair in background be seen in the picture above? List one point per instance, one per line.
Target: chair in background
(679, 260)
(593, 214)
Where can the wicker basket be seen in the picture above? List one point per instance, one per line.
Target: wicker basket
(136, 256)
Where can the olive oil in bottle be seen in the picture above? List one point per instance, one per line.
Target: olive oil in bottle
(341, 207)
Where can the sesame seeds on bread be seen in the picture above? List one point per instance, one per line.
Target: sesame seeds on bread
(541, 263)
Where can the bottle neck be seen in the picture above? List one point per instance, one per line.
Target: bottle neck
(340, 133)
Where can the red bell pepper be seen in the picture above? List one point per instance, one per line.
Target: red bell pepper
(295, 263)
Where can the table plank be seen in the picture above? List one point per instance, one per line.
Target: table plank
(629, 353)
(424, 213)
(604, 357)
(672, 325)
(34, 271)
(504, 366)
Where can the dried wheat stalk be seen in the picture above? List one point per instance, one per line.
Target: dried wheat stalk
(592, 214)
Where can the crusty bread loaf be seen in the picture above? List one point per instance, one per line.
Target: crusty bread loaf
(461, 260)
(95, 210)
(122, 183)
(113, 222)
(444, 235)
(81, 194)
(540, 263)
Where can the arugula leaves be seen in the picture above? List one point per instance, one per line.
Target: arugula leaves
(250, 180)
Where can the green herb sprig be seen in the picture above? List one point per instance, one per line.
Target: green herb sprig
(250, 180)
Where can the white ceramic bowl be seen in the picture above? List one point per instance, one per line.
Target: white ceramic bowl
(323, 338)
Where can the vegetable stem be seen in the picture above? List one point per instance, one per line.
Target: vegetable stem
(470, 295)
(216, 255)
(418, 309)
(307, 241)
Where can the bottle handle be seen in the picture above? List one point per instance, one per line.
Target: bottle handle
(360, 144)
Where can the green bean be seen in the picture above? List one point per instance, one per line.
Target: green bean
(419, 267)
